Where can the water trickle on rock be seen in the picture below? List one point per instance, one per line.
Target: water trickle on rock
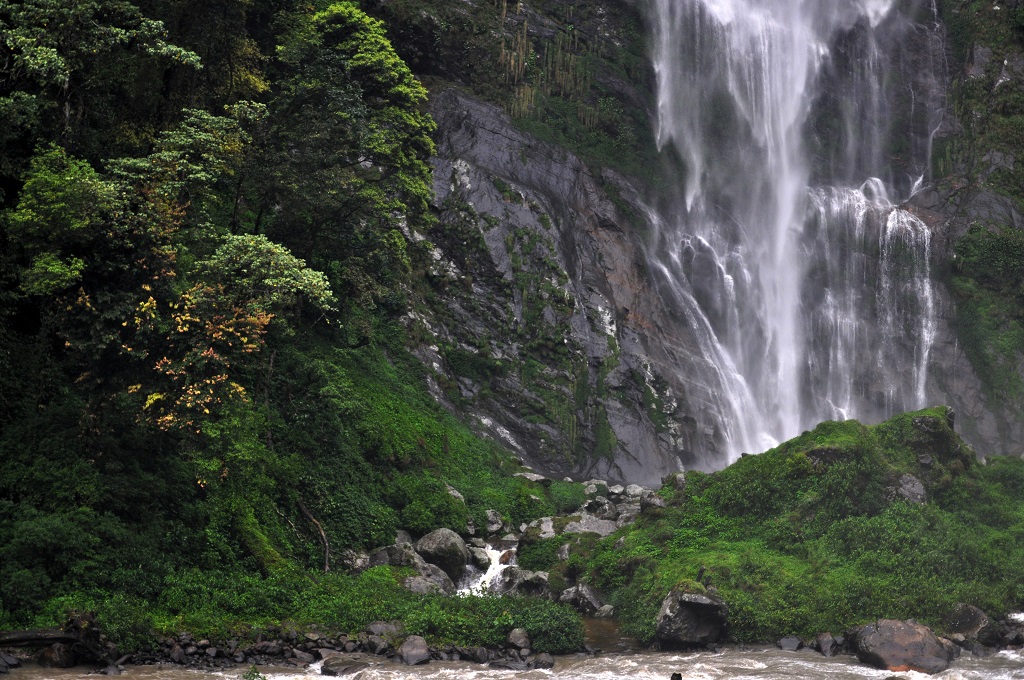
(806, 285)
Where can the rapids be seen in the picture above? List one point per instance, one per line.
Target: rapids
(771, 664)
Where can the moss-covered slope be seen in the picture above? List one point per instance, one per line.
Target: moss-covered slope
(841, 525)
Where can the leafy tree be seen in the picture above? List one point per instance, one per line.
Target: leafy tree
(69, 66)
(349, 149)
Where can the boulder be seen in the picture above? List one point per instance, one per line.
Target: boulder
(414, 651)
(901, 646)
(790, 644)
(435, 575)
(454, 493)
(302, 657)
(827, 645)
(57, 655)
(582, 598)
(973, 624)
(534, 477)
(543, 661)
(421, 586)
(519, 639)
(605, 612)
(518, 581)
(587, 523)
(177, 654)
(494, 522)
(398, 555)
(691, 619)
(652, 500)
(384, 629)
(339, 666)
(635, 490)
(446, 549)
(480, 559)
(354, 561)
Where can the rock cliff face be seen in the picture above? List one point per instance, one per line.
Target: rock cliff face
(553, 334)
(545, 324)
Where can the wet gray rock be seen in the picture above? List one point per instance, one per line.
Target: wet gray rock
(519, 639)
(588, 523)
(652, 500)
(414, 651)
(901, 646)
(437, 576)
(605, 612)
(790, 644)
(479, 558)
(518, 581)
(494, 522)
(303, 657)
(974, 624)
(398, 555)
(582, 598)
(446, 549)
(691, 619)
(635, 490)
(910, 488)
(543, 661)
(341, 666)
(827, 645)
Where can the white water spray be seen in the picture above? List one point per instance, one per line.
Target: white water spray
(809, 299)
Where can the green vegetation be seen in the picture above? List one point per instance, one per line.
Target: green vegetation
(813, 536)
(986, 273)
(206, 396)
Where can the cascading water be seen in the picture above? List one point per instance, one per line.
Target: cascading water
(807, 288)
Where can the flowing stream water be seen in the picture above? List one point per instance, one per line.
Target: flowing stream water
(770, 664)
(801, 125)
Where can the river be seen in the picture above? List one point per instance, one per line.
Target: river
(760, 664)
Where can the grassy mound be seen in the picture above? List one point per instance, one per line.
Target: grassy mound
(816, 535)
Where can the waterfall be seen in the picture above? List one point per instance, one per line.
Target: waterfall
(805, 284)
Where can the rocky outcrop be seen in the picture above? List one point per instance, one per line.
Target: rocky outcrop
(691, 619)
(558, 278)
(902, 646)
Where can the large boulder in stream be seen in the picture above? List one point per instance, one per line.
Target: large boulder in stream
(691, 619)
(902, 646)
(446, 549)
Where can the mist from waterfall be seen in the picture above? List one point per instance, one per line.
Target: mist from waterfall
(807, 287)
